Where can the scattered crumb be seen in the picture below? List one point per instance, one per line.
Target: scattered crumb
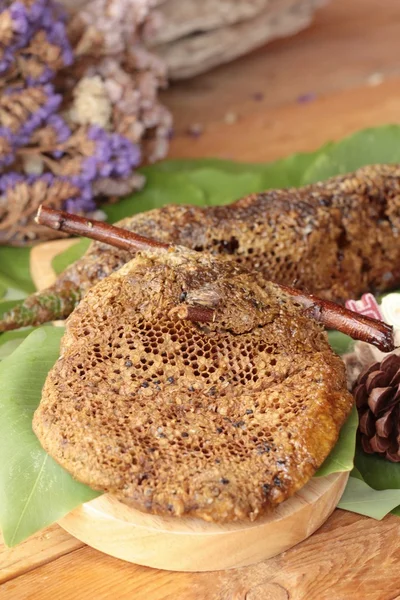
(375, 79)
(258, 96)
(195, 130)
(307, 97)
(230, 118)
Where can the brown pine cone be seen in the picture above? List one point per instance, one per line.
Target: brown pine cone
(377, 396)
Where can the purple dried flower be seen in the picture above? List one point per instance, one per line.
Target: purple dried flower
(61, 128)
(116, 155)
(57, 35)
(89, 168)
(79, 204)
(39, 117)
(62, 132)
(19, 17)
(9, 180)
(37, 11)
(26, 22)
(84, 202)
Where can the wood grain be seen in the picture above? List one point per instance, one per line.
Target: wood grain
(41, 258)
(266, 135)
(350, 557)
(348, 44)
(39, 549)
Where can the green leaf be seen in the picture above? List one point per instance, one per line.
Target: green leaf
(377, 472)
(10, 340)
(15, 284)
(15, 277)
(342, 456)
(360, 498)
(370, 146)
(340, 342)
(61, 261)
(34, 490)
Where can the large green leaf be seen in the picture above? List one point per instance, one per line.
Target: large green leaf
(360, 498)
(34, 490)
(10, 341)
(342, 456)
(15, 277)
(377, 145)
(340, 342)
(378, 473)
(15, 284)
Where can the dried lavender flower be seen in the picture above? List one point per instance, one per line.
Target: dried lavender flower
(111, 116)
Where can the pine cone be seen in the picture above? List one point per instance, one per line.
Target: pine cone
(377, 396)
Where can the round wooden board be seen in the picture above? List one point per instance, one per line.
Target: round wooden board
(191, 544)
(41, 257)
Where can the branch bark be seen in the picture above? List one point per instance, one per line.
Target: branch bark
(96, 230)
(334, 316)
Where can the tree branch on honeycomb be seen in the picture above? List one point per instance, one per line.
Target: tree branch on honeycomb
(328, 313)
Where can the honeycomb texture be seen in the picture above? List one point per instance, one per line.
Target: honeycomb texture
(337, 239)
(220, 420)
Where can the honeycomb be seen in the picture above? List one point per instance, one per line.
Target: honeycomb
(220, 420)
(313, 238)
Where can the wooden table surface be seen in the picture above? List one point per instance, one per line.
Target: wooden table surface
(347, 68)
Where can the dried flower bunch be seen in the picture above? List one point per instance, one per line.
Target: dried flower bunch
(78, 108)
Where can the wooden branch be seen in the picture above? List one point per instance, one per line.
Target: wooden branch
(331, 315)
(96, 230)
(188, 312)
(334, 316)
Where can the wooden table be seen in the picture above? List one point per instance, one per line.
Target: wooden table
(339, 76)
